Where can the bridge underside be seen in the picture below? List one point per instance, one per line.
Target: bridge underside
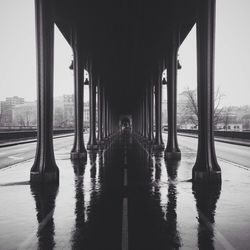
(125, 46)
(125, 43)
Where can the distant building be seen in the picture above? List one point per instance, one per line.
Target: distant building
(68, 110)
(7, 107)
(246, 122)
(14, 111)
(229, 121)
(25, 114)
(164, 112)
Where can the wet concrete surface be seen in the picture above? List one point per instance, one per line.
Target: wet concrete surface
(165, 210)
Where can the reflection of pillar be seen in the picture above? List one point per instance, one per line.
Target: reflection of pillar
(45, 197)
(206, 199)
(172, 150)
(206, 168)
(150, 112)
(173, 237)
(78, 151)
(79, 170)
(144, 112)
(142, 117)
(158, 143)
(44, 168)
(92, 144)
(104, 114)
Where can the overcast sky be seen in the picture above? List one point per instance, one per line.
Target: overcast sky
(18, 62)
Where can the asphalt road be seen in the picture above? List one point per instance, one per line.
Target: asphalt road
(228, 152)
(19, 153)
(236, 154)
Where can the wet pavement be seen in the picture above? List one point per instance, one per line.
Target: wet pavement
(124, 197)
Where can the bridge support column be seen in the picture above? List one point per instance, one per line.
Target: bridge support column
(92, 144)
(150, 98)
(206, 168)
(144, 122)
(172, 150)
(100, 114)
(44, 169)
(78, 151)
(158, 143)
(104, 115)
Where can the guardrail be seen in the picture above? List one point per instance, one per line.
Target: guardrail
(226, 134)
(10, 135)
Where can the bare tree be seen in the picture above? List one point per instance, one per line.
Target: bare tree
(190, 108)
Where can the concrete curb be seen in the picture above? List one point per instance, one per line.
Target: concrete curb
(9, 144)
(246, 144)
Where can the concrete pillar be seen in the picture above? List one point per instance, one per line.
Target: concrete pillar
(172, 150)
(44, 169)
(143, 118)
(144, 124)
(104, 115)
(150, 98)
(158, 143)
(106, 118)
(206, 168)
(146, 113)
(100, 114)
(78, 151)
(92, 144)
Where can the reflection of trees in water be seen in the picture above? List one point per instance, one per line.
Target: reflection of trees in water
(206, 198)
(45, 197)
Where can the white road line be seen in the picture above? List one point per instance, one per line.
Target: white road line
(234, 164)
(125, 180)
(22, 149)
(125, 224)
(28, 243)
(211, 227)
(15, 157)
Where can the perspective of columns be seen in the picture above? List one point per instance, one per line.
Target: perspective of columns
(92, 144)
(206, 168)
(104, 115)
(78, 151)
(150, 99)
(158, 142)
(44, 169)
(100, 113)
(172, 150)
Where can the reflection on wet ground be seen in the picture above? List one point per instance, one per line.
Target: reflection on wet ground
(165, 210)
